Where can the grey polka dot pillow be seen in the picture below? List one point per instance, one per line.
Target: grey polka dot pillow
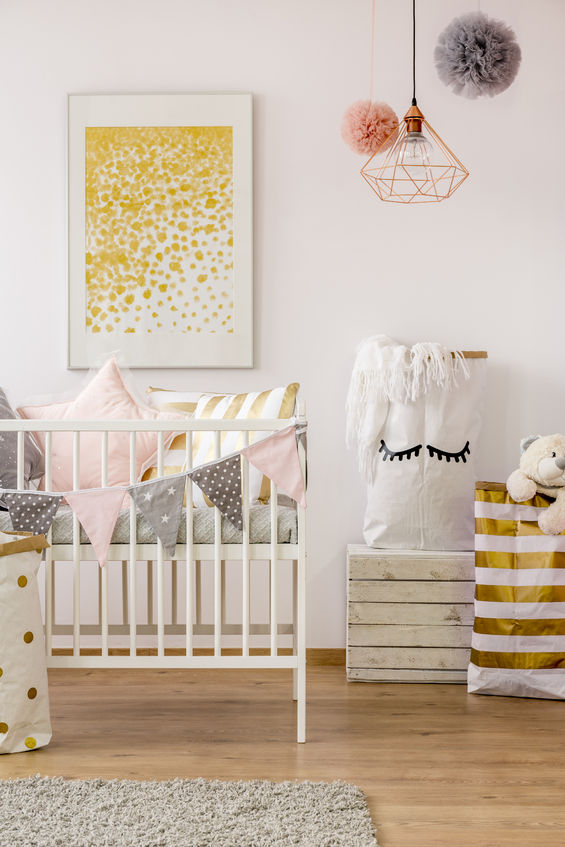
(34, 465)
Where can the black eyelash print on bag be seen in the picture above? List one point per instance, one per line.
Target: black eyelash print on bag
(400, 454)
(449, 456)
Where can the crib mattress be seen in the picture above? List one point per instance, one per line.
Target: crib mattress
(203, 523)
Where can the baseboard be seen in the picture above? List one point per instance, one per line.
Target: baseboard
(315, 656)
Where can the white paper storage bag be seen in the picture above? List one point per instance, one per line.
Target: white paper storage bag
(24, 700)
(416, 415)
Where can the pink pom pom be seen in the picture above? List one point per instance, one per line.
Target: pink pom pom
(366, 125)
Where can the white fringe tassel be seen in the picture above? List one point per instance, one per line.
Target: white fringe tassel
(386, 371)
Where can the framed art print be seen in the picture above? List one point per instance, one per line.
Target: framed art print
(160, 229)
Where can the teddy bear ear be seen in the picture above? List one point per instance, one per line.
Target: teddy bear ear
(525, 442)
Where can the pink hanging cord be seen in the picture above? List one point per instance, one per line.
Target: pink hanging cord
(372, 49)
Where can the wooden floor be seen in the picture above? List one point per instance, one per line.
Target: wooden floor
(440, 767)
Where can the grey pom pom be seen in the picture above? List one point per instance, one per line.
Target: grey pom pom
(477, 55)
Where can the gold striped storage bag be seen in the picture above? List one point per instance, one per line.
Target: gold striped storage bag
(518, 641)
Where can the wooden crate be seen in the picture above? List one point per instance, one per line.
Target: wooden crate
(410, 615)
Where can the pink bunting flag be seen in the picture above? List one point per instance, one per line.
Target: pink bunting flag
(98, 511)
(277, 457)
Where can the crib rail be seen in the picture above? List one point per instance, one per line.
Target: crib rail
(162, 625)
(190, 425)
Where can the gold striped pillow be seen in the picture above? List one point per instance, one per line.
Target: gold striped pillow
(168, 400)
(276, 403)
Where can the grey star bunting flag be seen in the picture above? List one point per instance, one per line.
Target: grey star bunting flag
(32, 511)
(221, 483)
(160, 503)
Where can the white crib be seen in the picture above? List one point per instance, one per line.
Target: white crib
(169, 631)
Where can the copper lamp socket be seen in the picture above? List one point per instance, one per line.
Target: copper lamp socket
(414, 118)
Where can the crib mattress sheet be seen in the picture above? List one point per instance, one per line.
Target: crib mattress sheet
(203, 523)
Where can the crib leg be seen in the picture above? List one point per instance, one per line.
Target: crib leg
(301, 634)
(294, 627)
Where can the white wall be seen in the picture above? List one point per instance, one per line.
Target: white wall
(332, 263)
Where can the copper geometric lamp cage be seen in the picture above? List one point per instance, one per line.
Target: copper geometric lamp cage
(413, 166)
(408, 169)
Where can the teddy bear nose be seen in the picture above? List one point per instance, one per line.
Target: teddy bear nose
(560, 463)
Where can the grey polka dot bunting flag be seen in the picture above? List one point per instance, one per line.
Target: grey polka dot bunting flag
(31, 511)
(160, 503)
(221, 483)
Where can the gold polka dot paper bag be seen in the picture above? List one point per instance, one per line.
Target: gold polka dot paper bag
(24, 699)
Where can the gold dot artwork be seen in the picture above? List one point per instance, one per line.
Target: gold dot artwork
(159, 229)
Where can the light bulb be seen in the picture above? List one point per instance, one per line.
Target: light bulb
(415, 156)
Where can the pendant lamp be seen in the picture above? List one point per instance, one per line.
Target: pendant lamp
(413, 164)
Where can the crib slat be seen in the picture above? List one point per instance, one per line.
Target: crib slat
(224, 598)
(49, 567)
(160, 566)
(198, 590)
(245, 552)
(150, 615)
(104, 607)
(132, 549)
(217, 564)
(76, 549)
(124, 592)
(100, 596)
(274, 568)
(104, 460)
(189, 547)
(20, 461)
(104, 581)
(174, 590)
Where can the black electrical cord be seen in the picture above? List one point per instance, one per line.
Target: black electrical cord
(414, 103)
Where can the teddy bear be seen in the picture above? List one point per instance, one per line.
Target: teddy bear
(542, 469)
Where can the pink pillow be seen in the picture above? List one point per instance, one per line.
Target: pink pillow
(104, 398)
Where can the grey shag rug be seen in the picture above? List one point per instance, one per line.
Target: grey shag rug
(55, 812)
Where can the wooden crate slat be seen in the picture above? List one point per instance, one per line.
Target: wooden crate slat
(458, 568)
(423, 658)
(385, 635)
(410, 591)
(405, 675)
(433, 614)
(360, 551)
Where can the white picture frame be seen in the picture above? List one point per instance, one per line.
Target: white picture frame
(111, 174)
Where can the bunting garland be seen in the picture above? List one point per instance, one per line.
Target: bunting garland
(32, 511)
(220, 481)
(302, 439)
(277, 457)
(97, 511)
(160, 501)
